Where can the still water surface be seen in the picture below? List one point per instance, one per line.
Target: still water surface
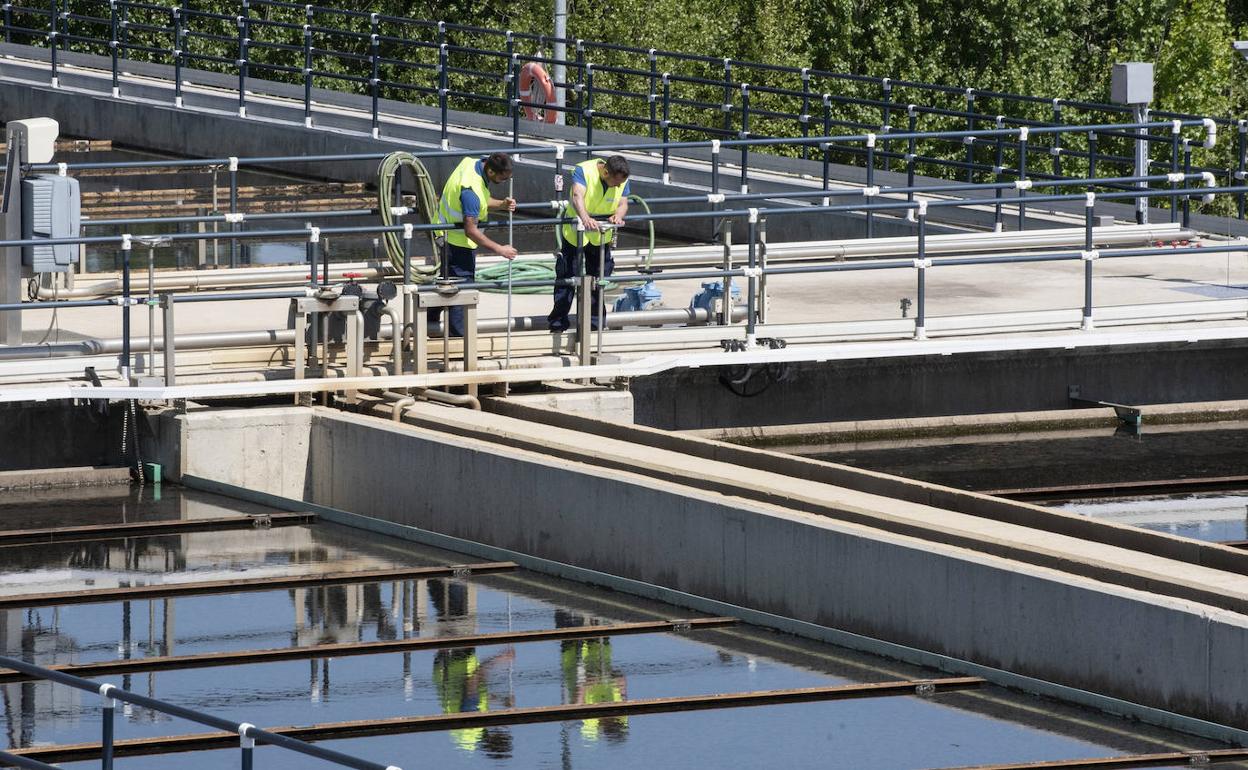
(991, 725)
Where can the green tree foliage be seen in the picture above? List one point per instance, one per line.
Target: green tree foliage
(1043, 48)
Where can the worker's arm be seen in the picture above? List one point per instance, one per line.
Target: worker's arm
(503, 203)
(578, 203)
(621, 211)
(474, 234)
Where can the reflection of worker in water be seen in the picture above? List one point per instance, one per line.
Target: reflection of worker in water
(589, 678)
(462, 678)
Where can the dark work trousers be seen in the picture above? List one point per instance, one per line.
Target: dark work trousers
(461, 263)
(565, 267)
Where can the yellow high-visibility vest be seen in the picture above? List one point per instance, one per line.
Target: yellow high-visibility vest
(450, 210)
(598, 202)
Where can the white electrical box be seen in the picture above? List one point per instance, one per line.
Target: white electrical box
(51, 208)
(36, 137)
(1132, 83)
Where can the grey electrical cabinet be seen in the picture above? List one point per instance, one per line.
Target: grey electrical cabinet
(51, 208)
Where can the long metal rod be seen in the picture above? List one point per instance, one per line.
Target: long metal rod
(146, 528)
(352, 649)
(536, 715)
(270, 583)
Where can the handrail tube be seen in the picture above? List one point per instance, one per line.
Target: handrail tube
(210, 720)
(304, 233)
(640, 147)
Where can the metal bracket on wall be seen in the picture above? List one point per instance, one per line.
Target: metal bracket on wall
(1131, 415)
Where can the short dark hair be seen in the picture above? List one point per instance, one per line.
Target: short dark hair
(617, 165)
(499, 163)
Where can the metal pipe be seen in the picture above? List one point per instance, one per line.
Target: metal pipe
(199, 280)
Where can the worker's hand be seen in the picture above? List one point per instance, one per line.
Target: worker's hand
(616, 219)
(590, 223)
(507, 252)
(510, 203)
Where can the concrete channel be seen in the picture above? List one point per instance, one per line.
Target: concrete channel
(999, 586)
(410, 674)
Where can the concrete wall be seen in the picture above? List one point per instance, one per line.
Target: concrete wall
(58, 435)
(1165, 653)
(943, 385)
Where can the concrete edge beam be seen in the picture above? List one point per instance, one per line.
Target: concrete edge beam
(51, 478)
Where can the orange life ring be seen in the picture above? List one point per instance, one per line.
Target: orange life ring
(537, 90)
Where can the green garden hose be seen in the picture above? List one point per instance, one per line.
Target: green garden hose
(426, 209)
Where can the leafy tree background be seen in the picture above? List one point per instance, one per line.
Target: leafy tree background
(1044, 48)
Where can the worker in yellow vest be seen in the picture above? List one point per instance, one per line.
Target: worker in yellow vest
(599, 189)
(465, 200)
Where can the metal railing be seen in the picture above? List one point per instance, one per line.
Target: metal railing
(665, 95)
(754, 271)
(248, 734)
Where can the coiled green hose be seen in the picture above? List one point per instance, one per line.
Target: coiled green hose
(426, 209)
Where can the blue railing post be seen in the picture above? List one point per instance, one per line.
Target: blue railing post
(1089, 255)
(921, 263)
(374, 81)
(1022, 178)
(588, 112)
(998, 176)
(968, 141)
(179, 40)
(513, 97)
(510, 81)
(114, 44)
(444, 89)
(666, 125)
(247, 745)
(1174, 169)
(804, 117)
(1093, 142)
(1242, 173)
(743, 134)
(307, 70)
(868, 191)
(751, 322)
(1056, 149)
(8, 22)
(827, 146)
(912, 121)
(579, 88)
(52, 33)
(886, 111)
(716, 197)
(1187, 170)
(652, 96)
(125, 307)
(107, 725)
(233, 210)
(726, 107)
(244, 29)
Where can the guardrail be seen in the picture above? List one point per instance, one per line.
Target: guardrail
(1023, 180)
(754, 271)
(664, 94)
(248, 734)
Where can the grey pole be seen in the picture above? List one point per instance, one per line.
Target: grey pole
(561, 53)
(1132, 84)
